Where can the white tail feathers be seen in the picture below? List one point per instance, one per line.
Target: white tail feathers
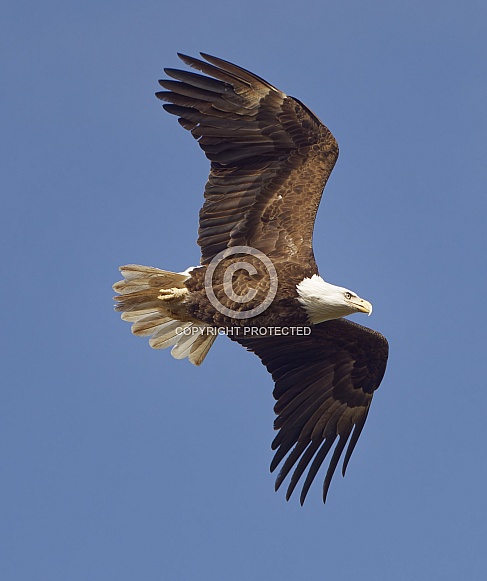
(187, 339)
(144, 277)
(141, 305)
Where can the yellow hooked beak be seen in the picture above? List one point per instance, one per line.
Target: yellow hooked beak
(361, 305)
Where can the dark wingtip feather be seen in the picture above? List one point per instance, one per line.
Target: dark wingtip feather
(357, 430)
(342, 441)
(316, 465)
(161, 95)
(170, 72)
(184, 57)
(236, 70)
(190, 60)
(176, 109)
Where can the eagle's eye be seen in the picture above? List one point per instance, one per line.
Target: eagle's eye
(348, 295)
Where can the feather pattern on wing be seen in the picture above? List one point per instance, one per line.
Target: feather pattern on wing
(270, 158)
(324, 384)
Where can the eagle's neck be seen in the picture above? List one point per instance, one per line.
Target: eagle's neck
(321, 300)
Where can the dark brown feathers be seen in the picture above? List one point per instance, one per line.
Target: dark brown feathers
(270, 158)
(324, 383)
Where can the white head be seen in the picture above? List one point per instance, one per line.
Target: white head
(324, 301)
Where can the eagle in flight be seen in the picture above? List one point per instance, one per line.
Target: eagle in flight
(258, 280)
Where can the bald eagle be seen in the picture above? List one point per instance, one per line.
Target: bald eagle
(258, 280)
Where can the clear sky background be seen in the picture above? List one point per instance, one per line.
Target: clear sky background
(119, 462)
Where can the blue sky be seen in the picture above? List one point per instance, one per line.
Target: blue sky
(119, 462)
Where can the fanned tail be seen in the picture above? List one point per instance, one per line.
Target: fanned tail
(149, 298)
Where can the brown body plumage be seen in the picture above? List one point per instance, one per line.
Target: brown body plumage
(270, 160)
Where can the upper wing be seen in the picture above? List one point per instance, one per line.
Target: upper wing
(324, 383)
(270, 159)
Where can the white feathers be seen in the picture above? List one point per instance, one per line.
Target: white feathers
(186, 273)
(139, 299)
(187, 339)
(138, 278)
(324, 301)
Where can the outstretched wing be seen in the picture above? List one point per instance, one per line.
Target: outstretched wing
(324, 383)
(270, 159)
